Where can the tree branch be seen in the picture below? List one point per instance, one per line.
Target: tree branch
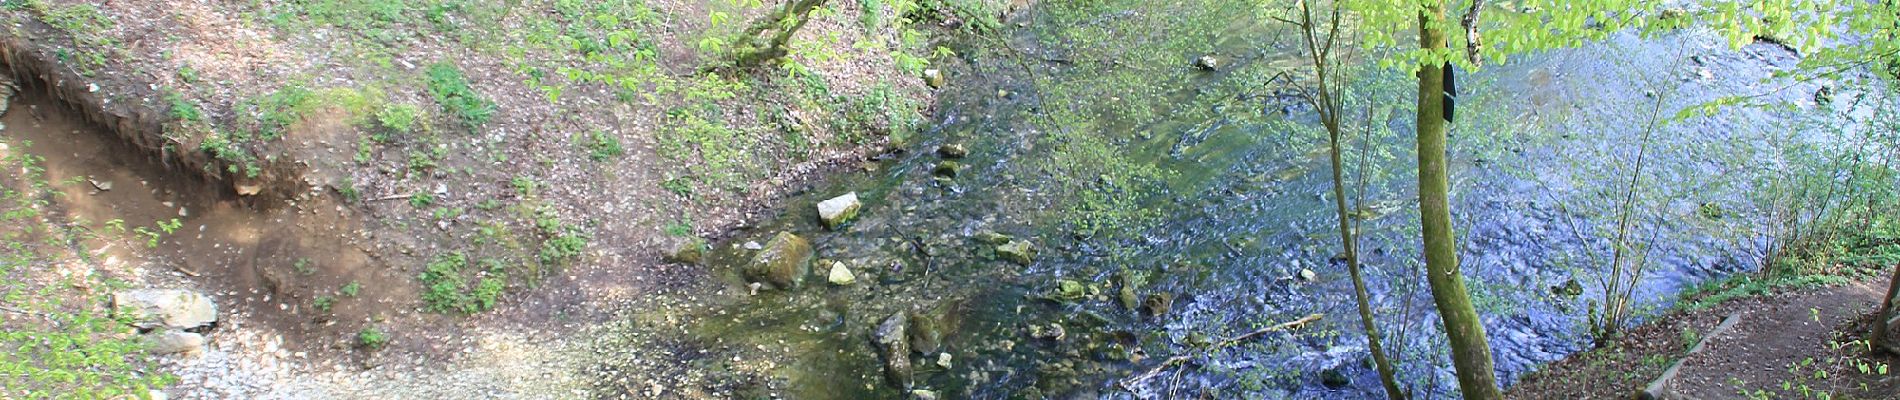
(1134, 381)
(1474, 42)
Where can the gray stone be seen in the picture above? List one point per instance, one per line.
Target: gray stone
(1308, 275)
(841, 275)
(839, 210)
(174, 342)
(921, 394)
(783, 263)
(894, 346)
(165, 308)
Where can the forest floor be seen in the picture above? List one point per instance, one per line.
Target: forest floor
(1789, 343)
(487, 188)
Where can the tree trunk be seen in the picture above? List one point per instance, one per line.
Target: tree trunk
(784, 22)
(1470, 354)
(1878, 338)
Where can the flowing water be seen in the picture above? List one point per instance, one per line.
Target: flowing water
(1094, 137)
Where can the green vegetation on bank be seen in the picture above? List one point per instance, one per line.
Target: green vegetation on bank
(59, 341)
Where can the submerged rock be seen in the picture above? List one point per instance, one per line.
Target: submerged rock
(1308, 275)
(839, 210)
(783, 263)
(992, 238)
(1158, 304)
(1570, 288)
(1130, 284)
(174, 342)
(947, 169)
(921, 394)
(924, 334)
(841, 275)
(1017, 251)
(1207, 62)
(894, 345)
(687, 251)
(165, 308)
(952, 151)
(1335, 378)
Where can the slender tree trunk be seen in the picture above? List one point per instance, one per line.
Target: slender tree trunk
(1470, 354)
(1878, 338)
(1327, 102)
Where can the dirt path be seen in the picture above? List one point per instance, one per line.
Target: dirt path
(1786, 341)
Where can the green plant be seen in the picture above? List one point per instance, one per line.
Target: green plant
(350, 289)
(562, 248)
(401, 118)
(372, 338)
(421, 200)
(601, 145)
(182, 109)
(524, 185)
(323, 303)
(451, 89)
(681, 228)
(302, 265)
(347, 189)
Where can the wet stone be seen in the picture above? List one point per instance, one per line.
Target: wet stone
(783, 262)
(837, 211)
(894, 346)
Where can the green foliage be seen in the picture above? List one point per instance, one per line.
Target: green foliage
(323, 303)
(446, 288)
(421, 200)
(451, 89)
(347, 189)
(371, 338)
(524, 185)
(182, 109)
(59, 343)
(350, 289)
(401, 118)
(601, 146)
(562, 248)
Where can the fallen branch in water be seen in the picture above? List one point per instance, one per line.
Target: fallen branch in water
(1133, 381)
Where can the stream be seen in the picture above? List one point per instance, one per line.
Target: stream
(1096, 138)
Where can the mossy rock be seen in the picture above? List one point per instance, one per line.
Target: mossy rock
(952, 151)
(783, 263)
(992, 238)
(687, 251)
(1017, 251)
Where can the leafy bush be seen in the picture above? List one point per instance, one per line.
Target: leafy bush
(372, 338)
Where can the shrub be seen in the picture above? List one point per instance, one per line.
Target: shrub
(450, 88)
(372, 338)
